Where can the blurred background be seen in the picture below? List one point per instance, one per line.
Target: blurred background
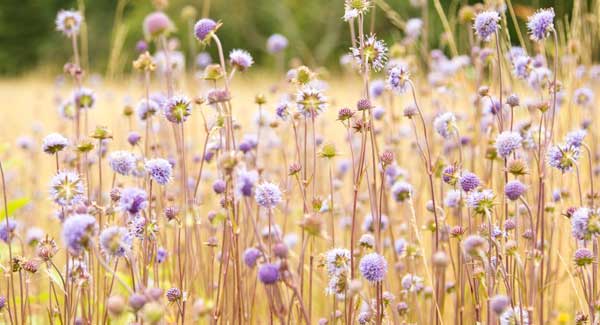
(315, 29)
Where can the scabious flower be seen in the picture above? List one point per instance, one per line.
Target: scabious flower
(514, 316)
(157, 24)
(452, 199)
(541, 24)
(401, 191)
(583, 257)
(115, 241)
(245, 182)
(583, 96)
(267, 195)
(159, 170)
(177, 109)
(373, 267)
(161, 255)
(337, 261)
(204, 28)
(240, 59)
(373, 53)
(499, 303)
(469, 181)
(575, 138)
(507, 142)
(562, 157)
(475, 245)
(7, 229)
(251, 255)
(78, 232)
(276, 43)
(585, 223)
(486, 24)
(146, 109)
(353, 8)
(412, 283)
(310, 101)
(514, 189)
(445, 124)
(84, 98)
(481, 201)
(376, 88)
(34, 236)
(133, 200)
(66, 188)
(268, 273)
(413, 28)
(369, 223)
(54, 143)
(122, 162)
(68, 22)
(522, 66)
(397, 78)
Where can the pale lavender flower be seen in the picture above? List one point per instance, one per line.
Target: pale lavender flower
(78, 232)
(310, 101)
(67, 188)
(514, 189)
(583, 96)
(486, 24)
(203, 59)
(412, 283)
(562, 157)
(445, 124)
(452, 199)
(115, 241)
(84, 98)
(400, 246)
(374, 52)
(122, 162)
(68, 22)
(7, 229)
(267, 195)
(373, 267)
(161, 255)
(376, 88)
(413, 28)
(34, 235)
(251, 255)
(575, 138)
(522, 66)
(54, 143)
(401, 191)
(268, 273)
(469, 181)
(157, 24)
(482, 201)
(146, 109)
(133, 200)
(276, 43)
(369, 223)
(159, 170)
(507, 142)
(541, 24)
(499, 303)
(514, 316)
(245, 182)
(204, 28)
(177, 109)
(240, 59)
(337, 261)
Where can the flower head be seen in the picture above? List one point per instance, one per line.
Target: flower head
(373, 53)
(486, 24)
(157, 24)
(54, 143)
(251, 255)
(122, 162)
(373, 267)
(337, 260)
(68, 22)
(276, 43)
(310, 101)
(401, 191)
(115, 241)
(541, 24)
(514, 316)
(78, 231)
(397, 78)
(475, 245)
(481, 201)
(160, 170)
(204, 28)
(240, 59)
(177, 109)
(7, 229)
(66, 188)
(445, 124)
(133, 200)
(575, 138)
(469, 181)
(267, 195)
(583, 257)
(84, 98)
(562, 157)
(507, 142)
(268, 273)
(514, 189)
(146, 109)
(245, 182)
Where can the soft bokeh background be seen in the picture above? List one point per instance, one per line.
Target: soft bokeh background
(317, 36)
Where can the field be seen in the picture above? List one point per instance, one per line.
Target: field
(407, 186)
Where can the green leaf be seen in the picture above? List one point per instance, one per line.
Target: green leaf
(14, 205)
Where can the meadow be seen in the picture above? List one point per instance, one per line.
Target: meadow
(409, 185)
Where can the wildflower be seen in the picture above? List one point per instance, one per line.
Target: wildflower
(373, 267)
(173, 294)
(412, 283)
(514, 189)
(310, 101)
(282, 110)
(585, 223)
(157, 24)
(268, 273)
(115, 241)
(562, 157)
(251, 255)
(541, 24)
(133, 200)
(486, 24)
(575, 138)
(373, 52)
(34, 236)
(159, 170)
(583, 257)
(401, 191)
(369, 223)
(413, 28)
(450, 175)
(445, 124)
(84, 98)
(400, 246)
(363, 104)
(68, 22)
(133, 138)
(583, 96)
(475, 245)
(7, 229)
(267, 195)
(337, 260)
(514, 316)
(376, 88)
(276, 43)
(66, 188)
(204, 28)
(161, 255)
(137, 301)
(353, 8)
(367, 241)
(240, 59)
(203, 60)
(122, 162)
(177, 109)
(481, 201)
(507, 142)
(499, 303)
(452, 199)
(146, 109)
(469, 181)
(78, 231)
(54, 143)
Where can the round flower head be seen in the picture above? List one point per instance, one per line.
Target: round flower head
(499, 303)
(583, 257)
(78, 232)
(115, 241)
(514, 316)
(146, 109)
(204, 29)
(54, 143)
(276, 43)
(469, 181)
(240, 59)
(541, 24)
(268, 273)
(34, 236)
(522, 66)
(412, 283)
(507, 142)
(133, 138)
(251, 255)
(377, 88)
(161, 255)
(353, 8)
(203, 60)
(157, 24)
(66, 109)
(583, 96)
(66, 188)
(585, 223)
(452, 199)
(445, 124)
(369, 223)
(337, 261)
(400, 246)
(7, 229)
(481, 201)
(373, 53)
(133, 200)
(413, 28)
(514, 189)
(475, 245)
(159, 170)
(373, 267)
(562, 157)
(397, 78)
(84, 98)
(178, 109)
(267, 195)
(401, 191)
(310, 101)
(122, 162)
(68, 22)
(486, 24)
(245, 182)
(575, 138)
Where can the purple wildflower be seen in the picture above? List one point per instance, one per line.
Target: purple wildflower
(486, 24)
(177, 109)
(133, 200)
(7, 229)
(157, 24)
(67, 188)
(54, 143)
(204, 29)
(507, 142)
(115, 241)
(240, 59)
(78, 231)
(268, 273)
(373, 267)
(68, 22)
(514, 189)
(276, 43)
(267, 195)
(122, 162)
(161, 255)
(251, 255)
(159, 170)
(541, 24)
(469, 181)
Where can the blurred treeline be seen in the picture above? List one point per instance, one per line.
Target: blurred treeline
(317, 34)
